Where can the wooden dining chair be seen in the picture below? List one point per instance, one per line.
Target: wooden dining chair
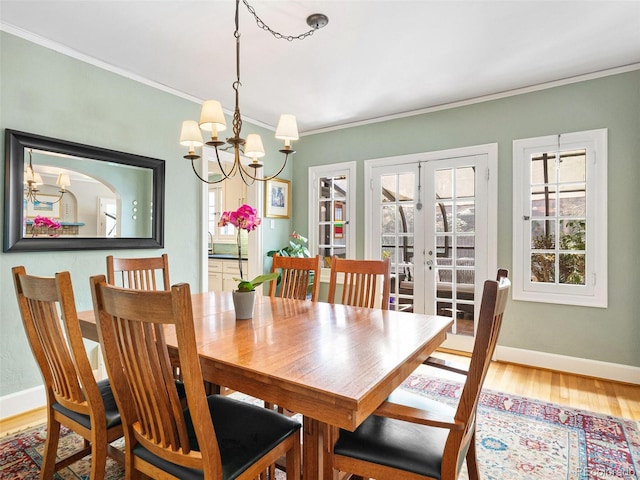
(74, 398)
(146, 273)
(149, 273)
(412, 437)
(217, 437)
(295, 275)
(360, 287)
(434, 361)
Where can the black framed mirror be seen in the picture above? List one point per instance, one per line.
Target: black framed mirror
(61, 195)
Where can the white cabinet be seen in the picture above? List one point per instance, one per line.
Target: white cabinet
(222, 274)
(231, 270)
(215, 275)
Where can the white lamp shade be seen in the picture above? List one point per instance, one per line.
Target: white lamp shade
(253, 146)
(287, 128)
(211, 117)
(63, 180)
(190, 135)
(34, 177)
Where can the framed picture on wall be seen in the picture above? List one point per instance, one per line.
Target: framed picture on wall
(45, 205)
(277, 198)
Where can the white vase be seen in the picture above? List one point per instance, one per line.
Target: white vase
(243, 304)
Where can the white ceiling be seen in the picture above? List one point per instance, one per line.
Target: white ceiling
(374, 59)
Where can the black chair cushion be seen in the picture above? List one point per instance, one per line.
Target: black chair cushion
(245, 433)
(398, 444)
(110, 408)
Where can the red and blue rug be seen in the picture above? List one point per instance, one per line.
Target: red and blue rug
(517, 439)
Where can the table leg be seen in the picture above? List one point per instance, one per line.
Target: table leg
(311, 449)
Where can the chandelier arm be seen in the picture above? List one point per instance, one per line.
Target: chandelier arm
(59, 198)
(210, 182)
(264, 179)
(244, 174)
(225, 175)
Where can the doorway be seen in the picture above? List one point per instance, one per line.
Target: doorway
(434, 216)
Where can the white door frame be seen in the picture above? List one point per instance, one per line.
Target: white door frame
(255, 198)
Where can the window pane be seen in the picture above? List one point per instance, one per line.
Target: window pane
(543, 168)
(543, 234)
(572, 167)
(543, 201)
(572, 268)
(543, 267)
(572, 200)
(572, 234)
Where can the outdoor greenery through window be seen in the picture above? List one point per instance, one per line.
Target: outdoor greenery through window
(560, 218)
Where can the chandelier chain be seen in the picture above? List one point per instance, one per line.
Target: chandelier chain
(278, 35)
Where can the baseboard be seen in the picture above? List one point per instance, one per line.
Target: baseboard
(563, 363)
(22, 401)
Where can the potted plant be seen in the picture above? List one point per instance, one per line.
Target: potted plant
(245, 218)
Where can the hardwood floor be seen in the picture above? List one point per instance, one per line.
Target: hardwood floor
(593, 394)
(586, 393)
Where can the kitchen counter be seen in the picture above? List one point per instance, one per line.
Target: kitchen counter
(225, 256)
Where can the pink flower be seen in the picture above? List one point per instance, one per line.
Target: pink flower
(245, 218)
(47, 222)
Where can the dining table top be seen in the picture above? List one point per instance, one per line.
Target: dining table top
(330, 362)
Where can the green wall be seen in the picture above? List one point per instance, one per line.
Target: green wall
(613, 102)
(51, 94)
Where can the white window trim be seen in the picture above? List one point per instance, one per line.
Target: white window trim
(334, 169)
(594, 294)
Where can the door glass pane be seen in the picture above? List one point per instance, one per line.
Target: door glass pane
(465, 217)
(465, 182)
(444, 184)
(397, 228)
(455, 220)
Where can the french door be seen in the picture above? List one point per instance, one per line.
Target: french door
(432, 219)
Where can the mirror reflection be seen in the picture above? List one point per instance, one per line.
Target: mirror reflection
(79, 197)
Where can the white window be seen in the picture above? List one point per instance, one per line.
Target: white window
(332, 216)
(560, 219)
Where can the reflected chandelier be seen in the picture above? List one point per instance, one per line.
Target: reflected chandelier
(32, 180)
(212, 119)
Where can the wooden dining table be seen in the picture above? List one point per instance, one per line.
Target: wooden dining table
(333, 364)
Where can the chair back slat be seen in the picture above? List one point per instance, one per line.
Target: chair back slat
(151, 273)
(132, 334)
(360, 286)
(295, 277)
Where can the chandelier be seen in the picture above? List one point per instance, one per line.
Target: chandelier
(212, 119)
(32, 180)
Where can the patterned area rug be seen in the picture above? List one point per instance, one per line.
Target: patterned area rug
(517, 439)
